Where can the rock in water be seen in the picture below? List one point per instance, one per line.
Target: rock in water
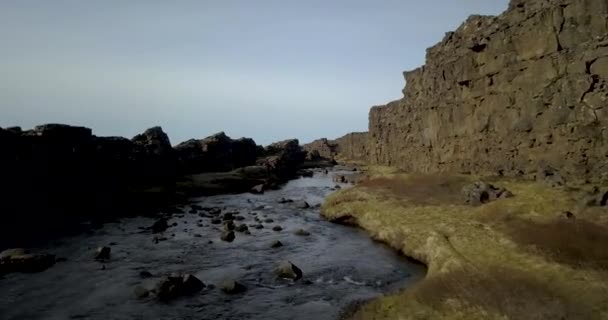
(229, 225)
(228, 236)
(302, 205)
(159, 226)
(191, 284)
(259, 189)
(302, 232)
(20, 260)
(276, 244)
(242, 228)
(102, 253)
(232, 287)
(288, 270)
(277, 228)
(141, 292)
(175, 286)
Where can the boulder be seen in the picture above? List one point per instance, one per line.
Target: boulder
(302, 205)
(102, 253)
(160, 225)
(216, 153)
(277, 228)
(302, 232)
(141, 292)
(228, 236)
(175, 286)
(287, 270)
(276, 244)
(229, 225)
(145, 274)
(259, 189)
(480, 193)
(20, 260)
(242, 228)
(216, 221)
(232, 287)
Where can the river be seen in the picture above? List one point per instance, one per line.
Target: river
(341, 265)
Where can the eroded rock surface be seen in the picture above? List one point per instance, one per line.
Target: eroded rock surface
(506, 94)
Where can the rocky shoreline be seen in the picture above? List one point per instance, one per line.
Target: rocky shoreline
(57, 176)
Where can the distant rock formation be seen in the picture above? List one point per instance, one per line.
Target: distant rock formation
(510, 94)
(320, 149)
(351, 147)
(283, 158)
(217, 153)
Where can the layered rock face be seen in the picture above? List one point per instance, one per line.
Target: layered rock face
(216, 153)
(507, 94)
(351, 147)
(320, 149)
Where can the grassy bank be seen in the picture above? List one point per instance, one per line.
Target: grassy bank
(515, 258)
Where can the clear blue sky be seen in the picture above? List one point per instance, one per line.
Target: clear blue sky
(266, 69)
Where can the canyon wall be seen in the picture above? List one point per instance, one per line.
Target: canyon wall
(353, 146)
(510, 94)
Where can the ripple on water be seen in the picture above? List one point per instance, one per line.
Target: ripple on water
(341, 266)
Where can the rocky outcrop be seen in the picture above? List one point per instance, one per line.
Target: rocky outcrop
(510, 94)
(320, 149)
(351, 147)
(73, 174)
(217, 153)
(282, 159)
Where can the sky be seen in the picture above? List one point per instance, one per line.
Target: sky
(266, 69)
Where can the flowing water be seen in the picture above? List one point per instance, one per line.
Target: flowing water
(341, 265)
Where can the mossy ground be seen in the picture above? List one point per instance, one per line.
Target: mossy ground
(515, 258)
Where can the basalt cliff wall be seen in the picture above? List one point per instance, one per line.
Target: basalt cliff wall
(508, 94)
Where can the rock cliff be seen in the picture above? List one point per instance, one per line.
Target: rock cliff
(350, 147)
(508, 94)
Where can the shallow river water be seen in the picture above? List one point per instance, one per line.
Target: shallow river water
(341, 265)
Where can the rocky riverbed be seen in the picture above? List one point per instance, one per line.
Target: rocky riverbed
(340, 265)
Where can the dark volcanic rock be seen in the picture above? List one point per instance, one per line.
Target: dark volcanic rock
(480, 193)
(288, 270)
(232, 287)
(276, 244)
(282, 159)
(103, 253)
(228, 236)
(175, 286)
(302, 205)
(217, 153)
(20, 260)
(159, 226)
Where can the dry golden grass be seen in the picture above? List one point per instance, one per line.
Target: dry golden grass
(516, 258)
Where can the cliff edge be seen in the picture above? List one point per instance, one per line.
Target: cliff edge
(511, 94)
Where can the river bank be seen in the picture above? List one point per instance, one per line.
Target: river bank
(536, 255)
